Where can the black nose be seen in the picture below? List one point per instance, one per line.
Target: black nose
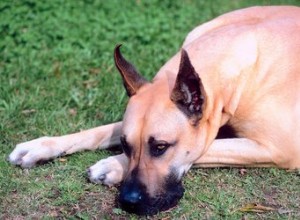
(134, 196)
(130, 195)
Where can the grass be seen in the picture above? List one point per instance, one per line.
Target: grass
(57, 76)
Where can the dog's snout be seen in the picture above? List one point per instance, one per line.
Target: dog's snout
(135, 198)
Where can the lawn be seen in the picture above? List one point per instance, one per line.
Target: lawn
(57, 76)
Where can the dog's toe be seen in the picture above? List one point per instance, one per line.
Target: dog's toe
(28, 154)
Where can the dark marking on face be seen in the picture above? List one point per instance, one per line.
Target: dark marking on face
(127, 149)
(134, 198)
(187, 153)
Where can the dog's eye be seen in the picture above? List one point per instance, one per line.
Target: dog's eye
(158, 147)
(157, 150)
(126, 148)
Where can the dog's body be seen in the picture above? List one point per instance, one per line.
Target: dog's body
(249, 69)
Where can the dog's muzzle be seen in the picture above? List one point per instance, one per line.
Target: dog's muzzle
(133, 197)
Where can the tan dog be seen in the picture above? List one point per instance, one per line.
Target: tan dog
(241, 69)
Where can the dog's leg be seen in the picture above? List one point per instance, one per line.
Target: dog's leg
(235, 152)
(27, 154)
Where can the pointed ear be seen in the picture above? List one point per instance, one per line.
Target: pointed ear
(131, 78)
(188, 92)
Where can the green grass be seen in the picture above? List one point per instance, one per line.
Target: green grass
(57, 76)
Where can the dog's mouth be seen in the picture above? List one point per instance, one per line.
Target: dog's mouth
(143, 204)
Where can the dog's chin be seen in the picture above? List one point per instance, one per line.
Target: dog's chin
(173, 192)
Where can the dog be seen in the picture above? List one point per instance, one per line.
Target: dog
(236, 77)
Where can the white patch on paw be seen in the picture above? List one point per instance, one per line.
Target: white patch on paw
(109, 171)
(27, 154)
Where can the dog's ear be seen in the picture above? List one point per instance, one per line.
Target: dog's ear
(132, 80)
(188, 92)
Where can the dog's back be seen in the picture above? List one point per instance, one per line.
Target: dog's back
(247, 15)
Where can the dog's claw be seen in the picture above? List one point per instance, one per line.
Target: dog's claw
(102, 177)
(88, 171)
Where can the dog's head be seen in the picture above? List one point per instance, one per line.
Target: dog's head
(160, 135)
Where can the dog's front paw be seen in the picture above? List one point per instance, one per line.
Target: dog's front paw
(109, 171)
(29, 153)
